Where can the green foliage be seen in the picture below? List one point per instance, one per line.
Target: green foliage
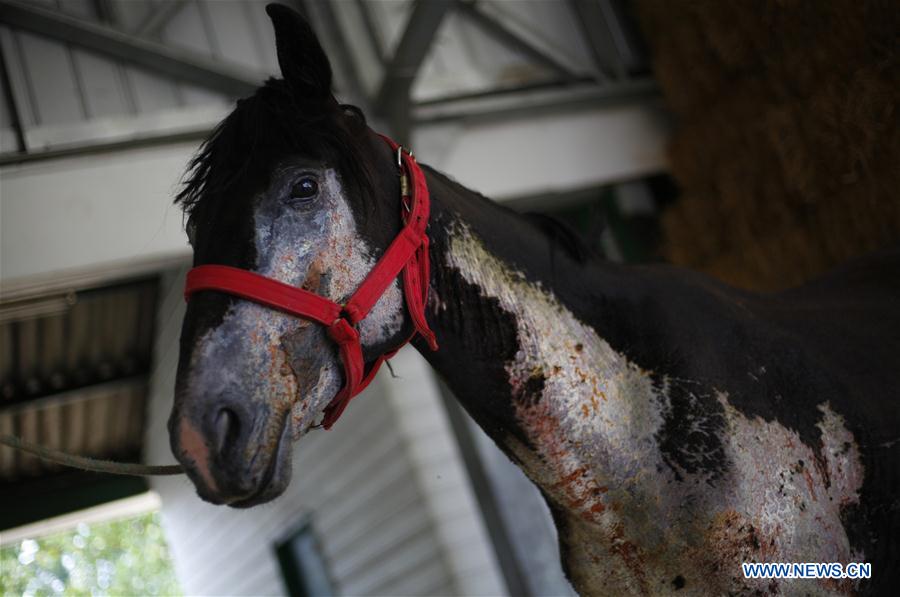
(121, 557)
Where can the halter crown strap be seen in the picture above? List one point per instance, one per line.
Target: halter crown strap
(407, 254)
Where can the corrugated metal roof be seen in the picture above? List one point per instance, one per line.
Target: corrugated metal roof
(65, 94)
(73, 374)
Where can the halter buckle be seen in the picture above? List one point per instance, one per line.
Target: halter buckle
(404, 179)
(400, 150)
(404, 190)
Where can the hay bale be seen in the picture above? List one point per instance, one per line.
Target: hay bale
(787, 144)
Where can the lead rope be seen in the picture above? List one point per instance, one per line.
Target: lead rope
(415, 277)
(89, 464)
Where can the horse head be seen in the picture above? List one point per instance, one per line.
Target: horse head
(293, 186)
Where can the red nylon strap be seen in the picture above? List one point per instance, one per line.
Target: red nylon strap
(270, 292)
(407, 253)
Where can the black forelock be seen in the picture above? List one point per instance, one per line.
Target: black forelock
(264, 129)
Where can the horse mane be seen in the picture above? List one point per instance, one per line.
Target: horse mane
(273, 124)
(558, 232)
(564, 235)
(265, 128)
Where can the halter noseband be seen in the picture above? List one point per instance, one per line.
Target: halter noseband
(407, 253)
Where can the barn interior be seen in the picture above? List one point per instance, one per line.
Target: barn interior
(755, 143)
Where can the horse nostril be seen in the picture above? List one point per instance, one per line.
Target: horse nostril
(227, 429)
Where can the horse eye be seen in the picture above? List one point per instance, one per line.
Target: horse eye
(304, 189)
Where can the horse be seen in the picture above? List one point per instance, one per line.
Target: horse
(676, 427)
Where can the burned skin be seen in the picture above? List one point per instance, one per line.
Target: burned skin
(675, 426)
(281, 367)
(661, 475)
(665, 465)
(633, 524)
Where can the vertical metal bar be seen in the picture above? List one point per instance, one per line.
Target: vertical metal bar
(510, 39)
(79, 82)
(107, 14)
(258, 44)
(26, 79)
(612, 20)
(228, 78)
(372, 33)
(158, 18)
(596, 33)
(393, 100)
(104, 11)
(329, 21)
(501, 540)
(15, 113)
(208, 29)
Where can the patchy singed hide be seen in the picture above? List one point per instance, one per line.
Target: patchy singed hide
(677, 427)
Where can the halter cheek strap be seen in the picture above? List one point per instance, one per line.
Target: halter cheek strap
(406, 255)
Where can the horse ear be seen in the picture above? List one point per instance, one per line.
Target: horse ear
(303, 62)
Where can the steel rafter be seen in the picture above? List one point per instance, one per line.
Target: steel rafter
(518, 102)
(393, 99)
(321, 12)
(158, 18)
(510, 39)
(15, 111)
(230, 79)
(371, 30)
(600, 29)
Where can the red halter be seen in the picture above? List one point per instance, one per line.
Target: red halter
(408, 253)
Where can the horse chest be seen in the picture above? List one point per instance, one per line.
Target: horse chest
(778, 501)
(652, 492)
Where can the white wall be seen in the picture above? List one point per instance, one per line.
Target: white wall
(446, 487)
(92, 211)
(548, 153)
(105, 210)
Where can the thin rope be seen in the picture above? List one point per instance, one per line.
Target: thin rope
(89, 464)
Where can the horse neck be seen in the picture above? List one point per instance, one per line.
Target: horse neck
(519, 322)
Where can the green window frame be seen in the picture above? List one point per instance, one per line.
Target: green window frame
(303, 566)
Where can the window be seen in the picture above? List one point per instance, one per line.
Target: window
(302, 565)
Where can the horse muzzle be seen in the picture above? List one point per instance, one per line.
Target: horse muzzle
(232, 458)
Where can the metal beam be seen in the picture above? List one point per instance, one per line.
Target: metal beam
(612, 18)
(507, 37)
(230, 79)
(15, 112)
(105, 12)
(91, 148)
(487, 105)
(321, 12)
(393, 99)
(158, 18)
(503, 91)
(371, 28)
(28, 500)
(486, 495)
(123, 385)
(519, 102)
(599, 34)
